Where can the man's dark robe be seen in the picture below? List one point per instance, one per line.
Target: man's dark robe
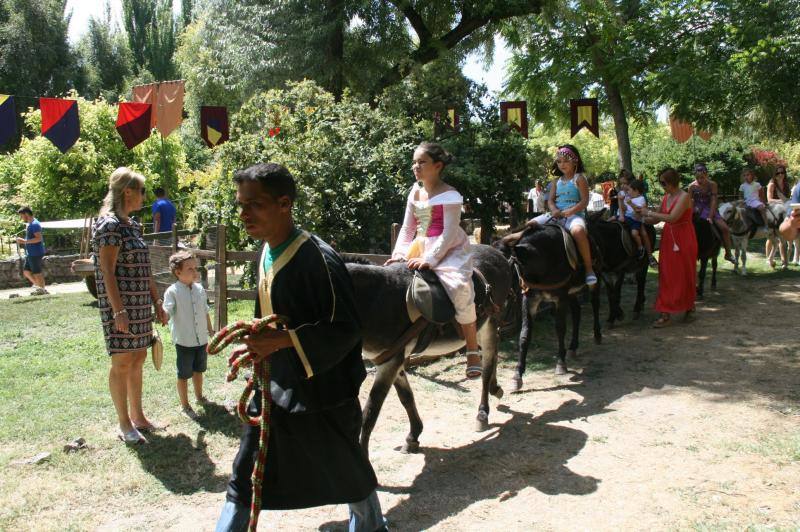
(313, 457)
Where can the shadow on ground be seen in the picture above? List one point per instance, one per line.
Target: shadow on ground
(182, 465)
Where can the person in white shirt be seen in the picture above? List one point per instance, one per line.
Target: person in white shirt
(751, 193)
(536, 200)
(186, 304)
(633, 204)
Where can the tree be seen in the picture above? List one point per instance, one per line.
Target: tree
(738, 71)
(151, 29)
(592, 48)
(35, 57)
(364, 45)
(106, 57)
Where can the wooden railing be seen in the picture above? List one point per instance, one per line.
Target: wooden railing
(222, 294)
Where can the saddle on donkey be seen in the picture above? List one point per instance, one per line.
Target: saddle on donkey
(427, 300)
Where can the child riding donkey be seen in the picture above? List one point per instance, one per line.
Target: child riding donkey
(569, 195)
(432, 238)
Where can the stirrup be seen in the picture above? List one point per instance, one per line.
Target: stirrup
(474, 372)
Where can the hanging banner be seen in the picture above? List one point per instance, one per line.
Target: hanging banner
(60, 122)
(681, 131)
(166, 98)
(214, 125)
(133, 122)
(147, 94)
(8, 118)
(705, 135)
(583, 114)
(453, 119)
(170, 106)
(515, 114)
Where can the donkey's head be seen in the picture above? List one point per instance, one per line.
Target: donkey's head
(539, 251)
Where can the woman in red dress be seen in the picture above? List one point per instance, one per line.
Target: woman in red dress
(678, 250)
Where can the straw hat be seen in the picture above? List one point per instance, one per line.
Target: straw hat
(158, 350)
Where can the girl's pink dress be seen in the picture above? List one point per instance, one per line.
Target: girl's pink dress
(431, 230)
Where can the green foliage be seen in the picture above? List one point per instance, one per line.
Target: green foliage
(70, 185)
(738, 70)
(598, 154)
(491, 167)
(106, 57)
(35, 58)
(198, 63)
(351, 162)
(365, 46)
(152, 36)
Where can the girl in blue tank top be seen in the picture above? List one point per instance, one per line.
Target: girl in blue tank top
(569, 195)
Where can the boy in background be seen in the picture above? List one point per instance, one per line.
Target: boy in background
(187, 306)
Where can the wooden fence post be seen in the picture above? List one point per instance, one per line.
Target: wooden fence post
(221, 279)
(174, 237)
(393, 236)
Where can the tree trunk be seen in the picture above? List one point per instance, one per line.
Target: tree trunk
(620, 126)
(334, 47)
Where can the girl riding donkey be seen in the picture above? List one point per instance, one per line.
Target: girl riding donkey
(432, 238)
(569, 196)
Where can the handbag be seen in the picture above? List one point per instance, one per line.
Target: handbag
(157, 350)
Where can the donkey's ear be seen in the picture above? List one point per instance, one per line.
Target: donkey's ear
(524, 250)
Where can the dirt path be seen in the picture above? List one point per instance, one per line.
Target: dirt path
(694, 426)
(58, 288)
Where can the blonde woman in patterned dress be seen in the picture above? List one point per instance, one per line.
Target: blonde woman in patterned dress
(127, 298)
(432, 238)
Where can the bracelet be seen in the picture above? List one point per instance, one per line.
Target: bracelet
(123, 311)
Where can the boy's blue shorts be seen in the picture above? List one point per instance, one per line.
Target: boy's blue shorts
(191, 360)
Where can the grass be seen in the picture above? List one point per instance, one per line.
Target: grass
(780, 448)
(54, 388)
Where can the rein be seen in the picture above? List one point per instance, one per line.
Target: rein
(240, 358)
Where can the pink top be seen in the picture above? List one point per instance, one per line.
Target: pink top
(435, 222)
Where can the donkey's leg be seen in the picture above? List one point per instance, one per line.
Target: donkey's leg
(613, 298)
(641, 279)
(528, 310)
(575, 311)
(743, 246)
(489, 341)
(561, 332)
(701, 278)
(490, 338)
(714, 272)
(598, 335)
(385, 376)
(403, 389)
(618, 295)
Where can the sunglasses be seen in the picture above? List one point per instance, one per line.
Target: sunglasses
(662, 183)
(780, 173)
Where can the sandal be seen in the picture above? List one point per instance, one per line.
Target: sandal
(132, 437)
(662, 322)
(474, 372)
(690, 316)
